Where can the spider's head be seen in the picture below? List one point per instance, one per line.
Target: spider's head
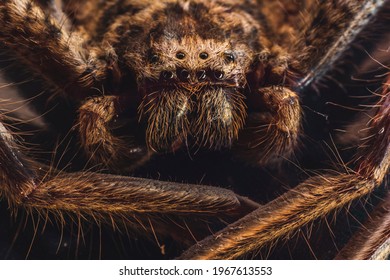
(192, 90)
(191, 62)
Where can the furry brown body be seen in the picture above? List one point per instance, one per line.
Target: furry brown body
(151, 77)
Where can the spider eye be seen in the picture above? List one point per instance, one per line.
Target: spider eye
(167, 75)
(203, 55)
(154, 58)
(180, 55)
(184, 74)
(229, 57)
(219, 75)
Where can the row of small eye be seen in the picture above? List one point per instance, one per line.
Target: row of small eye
(184, 74)
(229, 57)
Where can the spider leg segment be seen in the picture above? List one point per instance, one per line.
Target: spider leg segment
(373, 240)
(342, 24)
(97, 116)
(310, 200)
(132, 201)
(14, 169)
(28, 32)
(272, 135)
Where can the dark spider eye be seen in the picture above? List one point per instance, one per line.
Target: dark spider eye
(167, 75)
(201, 75)
(219, 75)
(229, 57)
(184, 74)
(180, 55)
(154, 58)
(203, 55)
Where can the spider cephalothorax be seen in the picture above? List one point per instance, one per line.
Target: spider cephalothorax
(194, 63)
(141, 79)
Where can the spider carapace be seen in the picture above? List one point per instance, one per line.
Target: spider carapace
(145, 79)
